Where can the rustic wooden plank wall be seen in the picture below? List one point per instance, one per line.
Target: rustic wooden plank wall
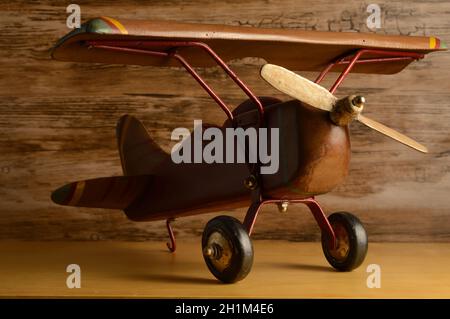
(57, 119)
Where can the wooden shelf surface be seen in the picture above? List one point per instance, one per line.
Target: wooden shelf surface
(281, 269)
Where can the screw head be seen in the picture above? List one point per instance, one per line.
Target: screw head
(251, 182)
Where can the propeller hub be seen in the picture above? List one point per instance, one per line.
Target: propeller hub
(347, 109)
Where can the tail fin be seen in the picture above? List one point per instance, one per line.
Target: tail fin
(116, 192)
(139, 154)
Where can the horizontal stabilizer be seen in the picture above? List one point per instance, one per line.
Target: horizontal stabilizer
(116, 192)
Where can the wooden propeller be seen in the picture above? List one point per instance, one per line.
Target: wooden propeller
(342, 112)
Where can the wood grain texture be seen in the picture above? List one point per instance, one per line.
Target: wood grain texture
(147, 270)
(57, 119)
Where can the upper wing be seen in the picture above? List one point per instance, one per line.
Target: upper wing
(295, 49)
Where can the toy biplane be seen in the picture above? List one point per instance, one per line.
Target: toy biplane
(313, 128)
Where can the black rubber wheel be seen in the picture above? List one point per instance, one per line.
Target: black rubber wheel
(351, 240)
(227, 249)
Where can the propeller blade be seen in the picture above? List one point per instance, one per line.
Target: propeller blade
(298, 87)
(317, 96)
(391, 133)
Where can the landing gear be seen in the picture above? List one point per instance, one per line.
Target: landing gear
(351, 242)
(227, 249)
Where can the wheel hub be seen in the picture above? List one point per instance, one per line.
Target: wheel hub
(218, 250)
(342, 242)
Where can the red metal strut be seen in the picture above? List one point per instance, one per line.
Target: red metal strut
(313, 205)
(130, 47)
(355, 58)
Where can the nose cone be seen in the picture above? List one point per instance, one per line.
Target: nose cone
(62, 195)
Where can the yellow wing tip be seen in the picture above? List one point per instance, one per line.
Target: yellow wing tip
(116, 24)
(436, 43)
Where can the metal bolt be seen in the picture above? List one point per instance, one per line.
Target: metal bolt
(208, 251)
(213, 251)
(359, 101)
(250, 182)
(283, 206)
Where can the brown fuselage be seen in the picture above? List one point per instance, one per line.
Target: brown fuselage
(314, 156)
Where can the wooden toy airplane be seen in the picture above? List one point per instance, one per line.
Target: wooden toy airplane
(313, 128)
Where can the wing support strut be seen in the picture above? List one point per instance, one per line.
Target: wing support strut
(141, 47)
(355, 58)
